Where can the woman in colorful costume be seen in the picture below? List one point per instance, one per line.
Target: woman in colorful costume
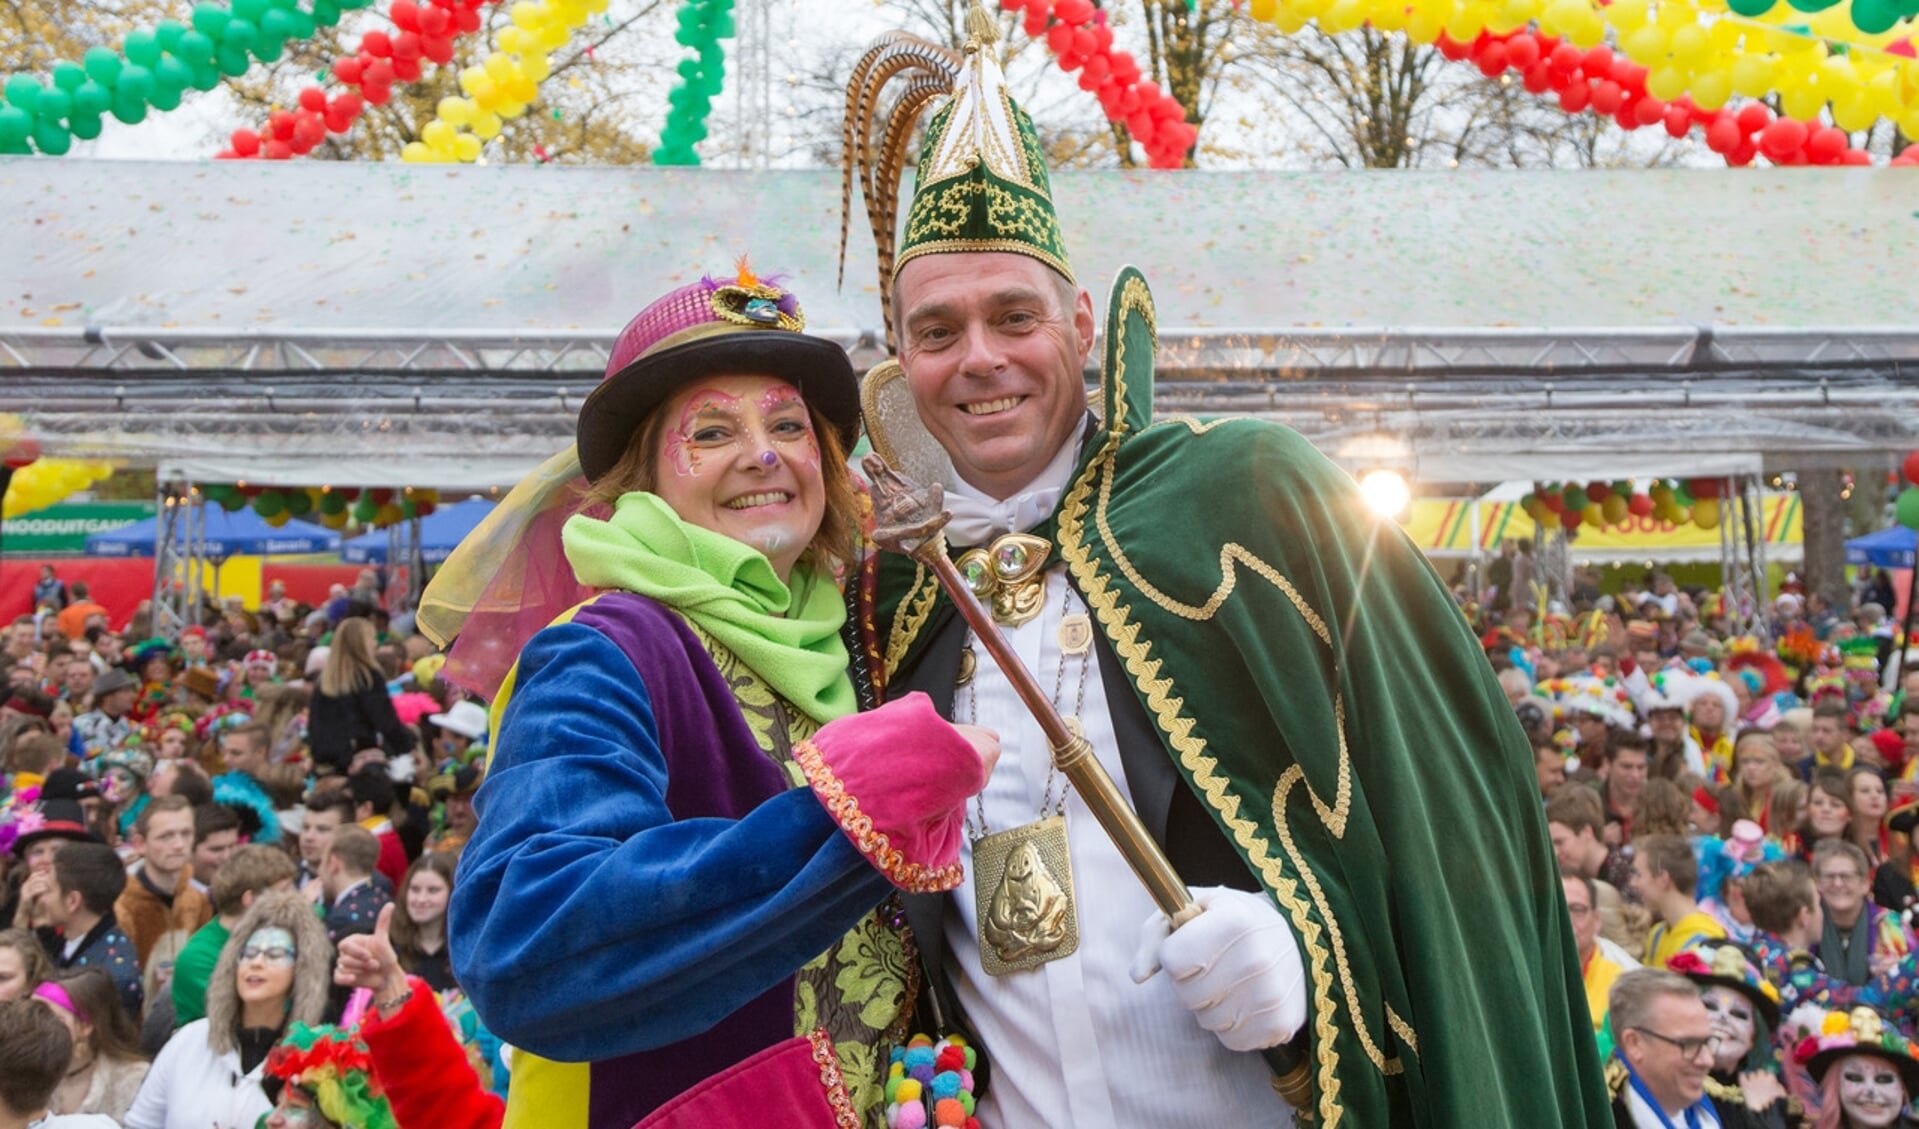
(652, 894)
(1744, 1081)
(1867, 1072)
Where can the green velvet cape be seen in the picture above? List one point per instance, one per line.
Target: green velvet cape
(1314, 683)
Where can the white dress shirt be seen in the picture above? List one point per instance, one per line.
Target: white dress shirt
(1075, 1042)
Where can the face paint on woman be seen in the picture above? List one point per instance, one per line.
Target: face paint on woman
(271, 944)
(1732, 1021)
(1870, 1091)
(691, 444)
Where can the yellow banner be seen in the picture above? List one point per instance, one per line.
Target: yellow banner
(1446, 528)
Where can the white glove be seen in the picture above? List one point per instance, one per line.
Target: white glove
(1236, 967)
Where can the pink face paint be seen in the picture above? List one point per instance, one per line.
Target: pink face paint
(783, 398)
(705, 407)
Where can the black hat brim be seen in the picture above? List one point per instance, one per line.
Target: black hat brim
(1767, 1008)
(74, 832)
(1907, 1067)
(615, 409)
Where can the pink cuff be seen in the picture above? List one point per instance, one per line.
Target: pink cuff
(897, 779)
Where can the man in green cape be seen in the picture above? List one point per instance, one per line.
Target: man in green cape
(1298, 711)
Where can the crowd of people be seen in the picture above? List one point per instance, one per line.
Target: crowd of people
(1733, 821)
(225, 867)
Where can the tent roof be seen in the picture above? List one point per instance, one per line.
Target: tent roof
(440, 532)
(1887, 548)
(226, 534)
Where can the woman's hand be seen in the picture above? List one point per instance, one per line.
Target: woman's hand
(985, 742)
(367, 960)
(1761, 1090)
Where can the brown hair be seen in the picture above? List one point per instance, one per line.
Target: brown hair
(1777, 891)
(1782, 809)
(349, 662)
(33, 957)
(39, 753)
(1746, 745)
(1671, 856)
(404, 931)
(35, 1048)
(1662, 809)
(159, 805)
(1578, 808)
(356, 847)
(838, 536)
(253, 869)
(253, 733)
(93, 992)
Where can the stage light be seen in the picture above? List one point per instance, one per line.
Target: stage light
(1385, 491)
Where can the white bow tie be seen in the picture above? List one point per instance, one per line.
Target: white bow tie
(977, 520)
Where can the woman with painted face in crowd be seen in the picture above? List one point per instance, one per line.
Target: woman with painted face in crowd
(1863, 1067)
(1744, 1080)
(275, 971)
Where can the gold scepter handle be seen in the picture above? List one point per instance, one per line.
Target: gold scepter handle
(909, 521)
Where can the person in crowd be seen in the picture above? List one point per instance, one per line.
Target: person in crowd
(1858, 939)
(107, 724)
(1628, 764)
(1755, 772)
(35, 1049)
(719, 469)
(1666, 1039)
(353, 900)
(23, 963)
(460, 726)
(244, 750)
(81, 932)
(1715, 810)
(1600, 961)
(327, 810)
(373, 794)
(1710, 711)
(34, 756)
(1663, 808)
(455, 792)
(1671, 751)
(1549, 766)
(1593, 734)
(1866, 796)
(1575, 821)
(77, 616)
(1787, 813)
(1828, 809)
(31, 877)
(1830, 738)
(216, 832)
(159, 898)
(350, 709)
(282, 713)
(419, 921)
(1865, 1068)
(274, 972)
(252, 871)
(1744, 1080)
(1665, 873)
(106, 1067)
(327, 1083)
(415, 1057)
(48, 591)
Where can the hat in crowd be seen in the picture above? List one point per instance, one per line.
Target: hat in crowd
(1726, 966)
(1697, 644)
(113, 679)
(1820, 1038)
(69, 784)
(463, 781)
(31, 702)
(467, 718)
(201, 680)
(149, 648)
(745, 324)
(196, 630)
(1692, 689)
(51, 819)
(1733, 857)
(316, 660)
(263, 658)
(334, 1068)
(1603, 698)
(428, 669)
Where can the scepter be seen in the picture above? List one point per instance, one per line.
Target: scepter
(909, 521)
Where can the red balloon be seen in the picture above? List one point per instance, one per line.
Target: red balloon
(1575, 97)
(246, 143)
(347, 70)
(1522, 51)
(280, 124)
(1555, 501)
(377, 73)
(1651, 111)
(23, 453)
(1782, 138)
(1909, 157)
(314, 99)
(1453, 49)
(406, 70)
(1827, 143)
(437, 48)
(348, 105)
(1857, 157)
(1566, 57)
(1059, 38)
(1911, 467)
(1640, 505)
(1598, 491)
(1607, 97)
(437, 21)
(467, 21)
(406, 46)
(1703, 487)
(376, 44)
(1571, 519)
(1102, 37)
(1753, 117)
(1491, 58)
(1723, 136)
(1074, 12)
(1125, 69)
(1598, 62)
(1678, 120)
(1538, 78)
(376, 95)
(405, 16)
(1742, 156)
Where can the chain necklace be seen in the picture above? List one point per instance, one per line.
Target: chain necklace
(1023, 877)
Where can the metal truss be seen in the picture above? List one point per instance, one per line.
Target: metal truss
(1744, 585)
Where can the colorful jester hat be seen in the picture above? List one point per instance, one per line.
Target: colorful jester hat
(335, 1068)
(982, 183)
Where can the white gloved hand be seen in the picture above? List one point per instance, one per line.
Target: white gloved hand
(1236, 967)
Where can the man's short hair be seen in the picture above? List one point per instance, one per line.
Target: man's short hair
(253, 733)
(357, 849)
(1671, 856)
(1578, 808)
(192, 784)
(211, 819)
(1825, 850)
(80, 590)
(34, 1049)
(253, 869)
(1832, 710)
(1775, 893)
(371, 786)
(1622, 740)
(38, 753)
(1592, 888)
(1635, 993)
(322, 800)
(92, 870)
(160, 805)
(1909, 707)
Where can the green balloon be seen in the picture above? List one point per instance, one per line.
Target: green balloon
(165, 98)
(232, 503)
(68, 75)
(268, 503)
(140, 47)
(1874, 16)
(173, 73)
(216, 491)
(269, 50)
(240, 33)
(250, 10)
(23, 90)
(129, 109)
(92, 99)
(168, 33)
(206, 76)
(276, 25)
(303, 25)
(408, 509)
(52, 138)
(15, 127)
(332, 502)
(1576, 499)
(325, 13)
(233, 61)
(135, 82)
(196, 47)
(1812, 5)
(353, 5)
(210, 20)
(55, 104)
(103, 65)
(1907, 507)
(86, 127)
(364, 509)
(299, 503)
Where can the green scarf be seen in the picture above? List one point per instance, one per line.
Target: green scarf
(728, 590)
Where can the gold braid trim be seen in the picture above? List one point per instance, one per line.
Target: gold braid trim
(912, 877)
(844, 1115)
(908, 619)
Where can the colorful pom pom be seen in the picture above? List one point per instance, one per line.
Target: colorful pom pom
(949, 1112)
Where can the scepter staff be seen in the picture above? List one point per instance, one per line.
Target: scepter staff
(909, 521)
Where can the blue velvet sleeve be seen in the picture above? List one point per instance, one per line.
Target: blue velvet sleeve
(587, 922)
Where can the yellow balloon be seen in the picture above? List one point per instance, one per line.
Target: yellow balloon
(1645, 44)
(499, 67)
(486, 126)
(1666, 82)
(1711, 90)
(536, 66)
(553, 38)
(416, 154)
(1264, 10)
(1705, 513)
(1690, 45)
(1752, 75)
(511, 39)
(466, 147)
(437, 135)
(525, 15)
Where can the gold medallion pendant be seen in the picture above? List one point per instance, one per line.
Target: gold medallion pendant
(1023, 894)
(1009, 576)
